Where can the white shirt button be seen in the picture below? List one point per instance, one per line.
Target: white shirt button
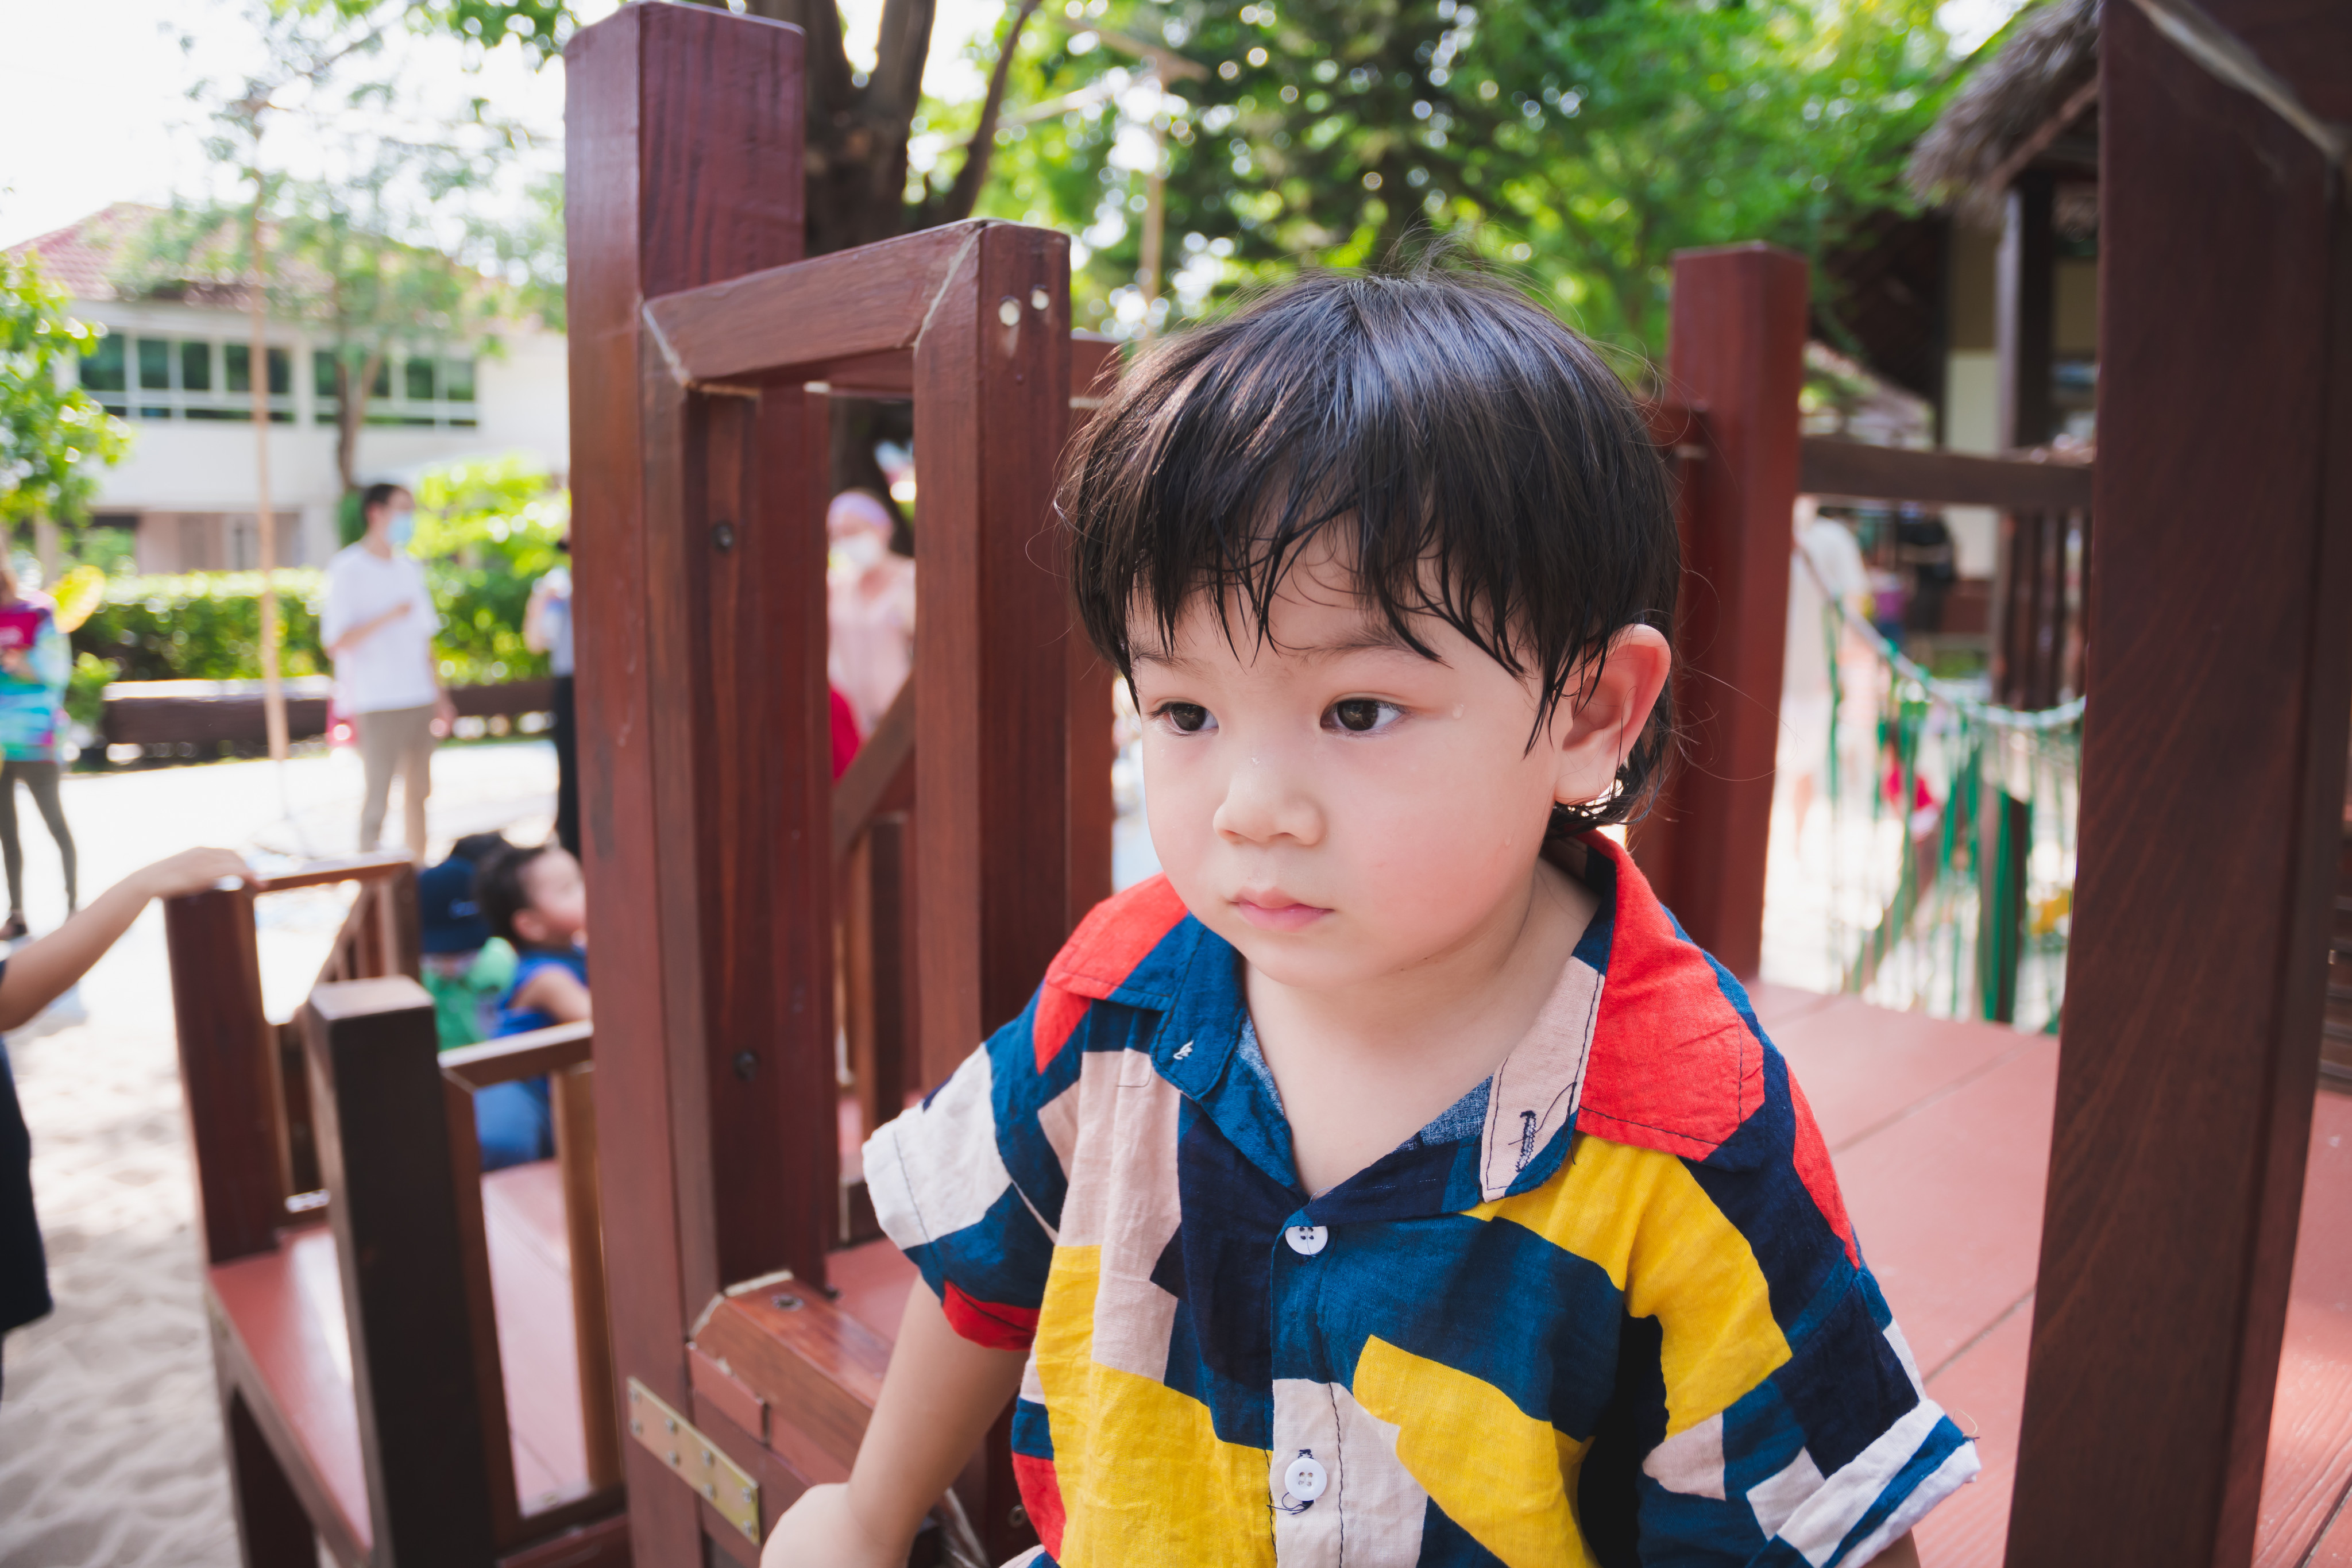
(1306, 1478)
(1306, 1240)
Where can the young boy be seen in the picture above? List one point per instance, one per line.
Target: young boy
(1392, 1182)
(532, 897)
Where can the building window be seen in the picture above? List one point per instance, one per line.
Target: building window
(431, 391)
(139, 376)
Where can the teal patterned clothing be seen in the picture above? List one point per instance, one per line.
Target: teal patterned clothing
(32, 694)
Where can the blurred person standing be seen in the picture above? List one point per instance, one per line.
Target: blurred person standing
(34, 662)
(378, 626)
(869, 606)
(547, 628)
(1827, 570)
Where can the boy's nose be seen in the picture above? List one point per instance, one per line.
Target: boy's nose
(1264, 802)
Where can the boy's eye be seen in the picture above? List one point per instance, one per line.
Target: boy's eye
(1186, 718)
(1363, 715)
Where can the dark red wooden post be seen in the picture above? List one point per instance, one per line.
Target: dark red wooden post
(1736, 355)
(226, 1042)
(683, 168)
(992, 664)
(383, 1148)
(2213, 793)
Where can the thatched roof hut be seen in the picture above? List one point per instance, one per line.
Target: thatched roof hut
(2034, 104)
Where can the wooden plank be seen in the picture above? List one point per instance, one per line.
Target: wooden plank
(499, 1441)
(603, 1544)
(384, 1147)
(991, 407)
(573, 1094)
(279, 1339)
(225, 1042)
(806, 1358)
(2308, 1468)
(1851, 471)
(683, 167)
(793, 322)
(2194, 978)
(1092, 746)
(877, 772)
(383, 866)
(2025, 312)
(1737, 354)
(511, 1057)
(271, 1527)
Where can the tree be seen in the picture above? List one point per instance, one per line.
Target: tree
(53, 437)
(1583, 141)
(360, 255)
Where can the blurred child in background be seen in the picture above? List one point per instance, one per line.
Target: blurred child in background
(467, 969)
(534, 898)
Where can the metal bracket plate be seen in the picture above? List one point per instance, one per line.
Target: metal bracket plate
(695, 1459)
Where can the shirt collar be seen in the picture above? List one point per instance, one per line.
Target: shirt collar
(1644, 1039)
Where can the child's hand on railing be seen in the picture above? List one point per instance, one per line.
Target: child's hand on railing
(190, 871)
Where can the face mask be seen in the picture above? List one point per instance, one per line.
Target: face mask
(403, 527)
(861, 551)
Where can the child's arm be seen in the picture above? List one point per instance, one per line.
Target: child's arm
(556, 992)
(39, 971)
(937, 1399)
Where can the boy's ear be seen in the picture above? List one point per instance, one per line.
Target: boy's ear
(529, 926)
(1590, 737)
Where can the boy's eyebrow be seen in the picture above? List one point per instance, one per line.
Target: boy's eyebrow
(1370, 637)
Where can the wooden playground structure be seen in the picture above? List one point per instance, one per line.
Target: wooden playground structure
(644, 1350)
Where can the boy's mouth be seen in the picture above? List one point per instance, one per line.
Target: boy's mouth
(1278, 911)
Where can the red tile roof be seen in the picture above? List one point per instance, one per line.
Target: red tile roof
(80, 257)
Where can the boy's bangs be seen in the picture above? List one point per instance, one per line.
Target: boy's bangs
(1465, 454)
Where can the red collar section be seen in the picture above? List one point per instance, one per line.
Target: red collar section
(1671, 1061)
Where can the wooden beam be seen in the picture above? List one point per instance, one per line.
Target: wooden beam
(683, 168)
(1851, 470)
(2025, 312)
(226, 1042)
(384, 1147)
(510, 1058)
(1736, 356)
(991, 679)
(775, 323)
(2211, 802)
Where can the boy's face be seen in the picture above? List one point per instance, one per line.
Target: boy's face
(1342, 809)
(558, 911)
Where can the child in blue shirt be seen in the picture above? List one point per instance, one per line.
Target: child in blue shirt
(1390, 1182)
(534, 898)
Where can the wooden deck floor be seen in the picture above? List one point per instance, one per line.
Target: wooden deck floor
(1940, 1132)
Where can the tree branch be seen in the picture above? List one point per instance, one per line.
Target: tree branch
(897, 86)
(965, 192)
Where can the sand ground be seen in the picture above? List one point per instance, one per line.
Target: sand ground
(110, 1435)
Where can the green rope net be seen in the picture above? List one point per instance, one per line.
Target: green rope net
(1950, 842)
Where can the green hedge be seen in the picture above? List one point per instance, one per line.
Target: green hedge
(206, 625)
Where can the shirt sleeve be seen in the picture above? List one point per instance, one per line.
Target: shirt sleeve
(335, 614)
(969, 1184)
(1794, 1426)
(52, 656)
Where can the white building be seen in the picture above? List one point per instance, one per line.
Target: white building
(178, 372)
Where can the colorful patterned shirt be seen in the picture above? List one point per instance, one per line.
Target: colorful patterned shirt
(1618, 1318)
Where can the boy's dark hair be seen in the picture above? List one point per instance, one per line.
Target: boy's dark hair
(378, 495)
(498, 890)
(478, 849)
(1480, 462)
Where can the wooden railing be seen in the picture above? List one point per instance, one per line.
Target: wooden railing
(2039, 631)
(565, 1056)
(349, 1117)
